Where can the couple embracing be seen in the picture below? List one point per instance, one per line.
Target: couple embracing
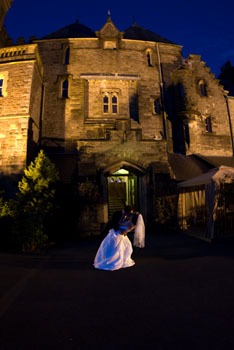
(116, 249)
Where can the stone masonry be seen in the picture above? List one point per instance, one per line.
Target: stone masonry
(101, 101)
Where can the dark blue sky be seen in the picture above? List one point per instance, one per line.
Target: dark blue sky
(201, 27)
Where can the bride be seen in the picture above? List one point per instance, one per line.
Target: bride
(116, 249)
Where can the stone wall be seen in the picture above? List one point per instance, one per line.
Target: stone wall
(230, 108)
(198, 108)
(93, 70)
(19, 106)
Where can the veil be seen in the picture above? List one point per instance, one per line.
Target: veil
(139, 234)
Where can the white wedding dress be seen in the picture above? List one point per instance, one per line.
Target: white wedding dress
(114, 252)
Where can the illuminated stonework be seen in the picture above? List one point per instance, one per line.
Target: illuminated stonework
(102, 101)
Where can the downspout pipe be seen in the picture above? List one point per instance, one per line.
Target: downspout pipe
(230, 123)
(41, 114)
(162, 91)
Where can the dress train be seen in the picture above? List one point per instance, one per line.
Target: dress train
(114, 252)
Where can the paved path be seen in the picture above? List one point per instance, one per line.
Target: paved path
(179, 295)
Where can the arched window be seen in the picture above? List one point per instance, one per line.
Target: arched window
(114, 103)
(208, 124)
(65, 86)
(105, 104)
(67, 56)
(149, 59)
(110, 103)
(202, 88)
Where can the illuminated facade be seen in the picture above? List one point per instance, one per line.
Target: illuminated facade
(122, 110)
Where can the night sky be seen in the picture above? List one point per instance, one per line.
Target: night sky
(205, 28)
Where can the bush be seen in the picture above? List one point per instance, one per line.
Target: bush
(35, 201)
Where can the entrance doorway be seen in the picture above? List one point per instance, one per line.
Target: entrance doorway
(122, 190)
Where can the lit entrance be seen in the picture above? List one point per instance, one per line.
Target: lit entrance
(122, 190)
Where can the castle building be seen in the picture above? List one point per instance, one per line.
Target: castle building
(123, 111)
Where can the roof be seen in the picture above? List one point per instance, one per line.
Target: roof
(186, 167)
(134, 32)
(216, 175)
(217, 161)
(74, 30)
(78, 30)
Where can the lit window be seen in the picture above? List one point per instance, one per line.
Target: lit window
(1, 87)
(208, 124)
(110, 103)
(65, 89)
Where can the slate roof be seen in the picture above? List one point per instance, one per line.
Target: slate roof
(74, 30)
(78, 30)
(217, 161)
(186, 167)
(135, 32)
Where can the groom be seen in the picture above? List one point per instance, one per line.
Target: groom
(121, 215)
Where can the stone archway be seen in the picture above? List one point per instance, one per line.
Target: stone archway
(123, 185)
(122, 190)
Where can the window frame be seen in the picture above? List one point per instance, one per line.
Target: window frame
(110, 103)
(157, 106)
(149, 57)
(202, 88)
(208, 124)
(65, 90)
(3, 88)
(67, 55)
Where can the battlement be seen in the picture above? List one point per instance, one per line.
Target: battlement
(16, 53)
(21, 53)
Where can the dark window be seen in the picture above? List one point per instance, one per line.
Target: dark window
(181, 90)
(67, 56)
(149, 60)
(105, 104)
(110, 103)
(114, 104)
(203, 88)
(1, 87)
(208, 124)
(157, 106)
(133, 107)
(65, 88)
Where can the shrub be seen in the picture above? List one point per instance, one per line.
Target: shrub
(35, 201)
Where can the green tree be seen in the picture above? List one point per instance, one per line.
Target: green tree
(36, 200)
